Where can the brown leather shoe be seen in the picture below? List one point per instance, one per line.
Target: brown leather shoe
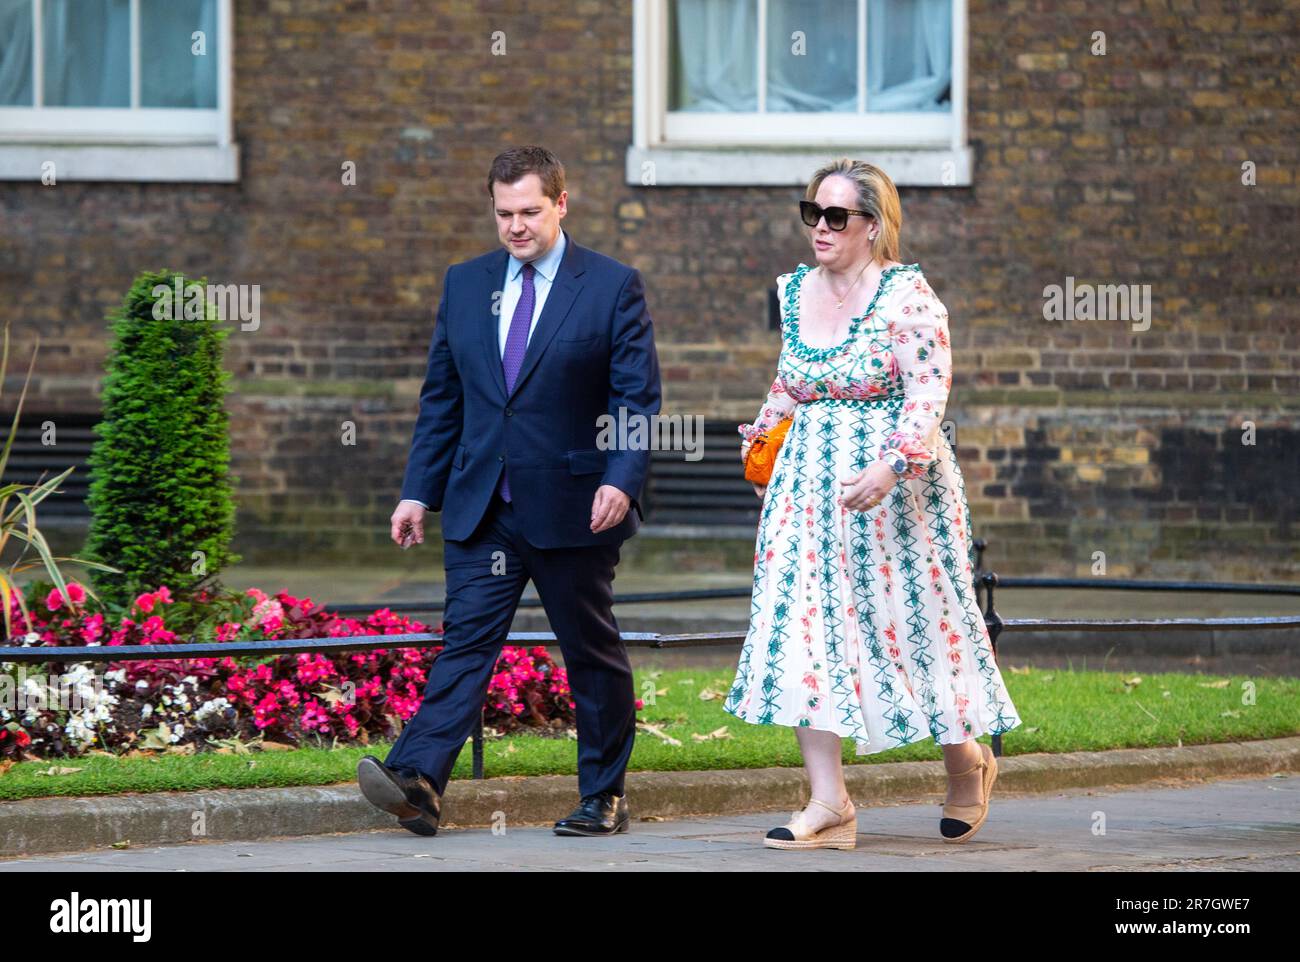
(407, 795)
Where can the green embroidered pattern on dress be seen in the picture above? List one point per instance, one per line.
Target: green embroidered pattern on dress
(792, 288)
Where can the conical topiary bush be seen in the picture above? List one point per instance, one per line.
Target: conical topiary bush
(160, 496)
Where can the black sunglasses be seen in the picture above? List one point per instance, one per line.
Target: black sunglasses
(837, 218)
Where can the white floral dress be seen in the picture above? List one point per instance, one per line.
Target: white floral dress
(866, 623)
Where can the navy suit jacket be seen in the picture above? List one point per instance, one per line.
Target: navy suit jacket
(591, 353)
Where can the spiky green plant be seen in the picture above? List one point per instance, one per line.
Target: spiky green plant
(19, 522)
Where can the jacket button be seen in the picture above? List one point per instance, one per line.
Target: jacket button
(501, 457)
(509, 413)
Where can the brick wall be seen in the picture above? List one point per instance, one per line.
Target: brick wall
(1074, 436)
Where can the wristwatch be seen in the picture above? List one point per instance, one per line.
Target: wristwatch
(896, 461)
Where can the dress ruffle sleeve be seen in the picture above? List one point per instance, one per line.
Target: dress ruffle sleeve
(918, 334)
(777, 406)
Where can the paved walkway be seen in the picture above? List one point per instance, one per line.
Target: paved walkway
(1232, 825)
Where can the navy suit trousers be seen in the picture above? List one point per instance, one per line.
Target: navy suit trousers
(486, 576)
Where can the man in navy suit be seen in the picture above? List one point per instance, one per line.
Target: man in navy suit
(533, 344)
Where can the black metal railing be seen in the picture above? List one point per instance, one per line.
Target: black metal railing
(985, 583)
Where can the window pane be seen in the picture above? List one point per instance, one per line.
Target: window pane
(812, 55)
(16, 53)
(87, 53)
(713, 55)
(909, 55)
(175, 71)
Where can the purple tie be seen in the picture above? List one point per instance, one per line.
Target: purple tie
(516, 343)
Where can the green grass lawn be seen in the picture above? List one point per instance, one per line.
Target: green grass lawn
(1061, 711)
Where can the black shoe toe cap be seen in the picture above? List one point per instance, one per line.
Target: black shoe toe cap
(952, 827)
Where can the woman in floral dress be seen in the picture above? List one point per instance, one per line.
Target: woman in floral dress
(863, 619)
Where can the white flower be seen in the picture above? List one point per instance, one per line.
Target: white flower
(146, 711)
(216, 705)
(79, 730)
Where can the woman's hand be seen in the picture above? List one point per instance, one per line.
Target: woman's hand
(868, 487)
(759, 489)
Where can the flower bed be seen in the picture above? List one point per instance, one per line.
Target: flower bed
(221, 704)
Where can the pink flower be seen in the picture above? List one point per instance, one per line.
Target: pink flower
(314, 717)
(93, 628)
(227, 631)
(76, 596)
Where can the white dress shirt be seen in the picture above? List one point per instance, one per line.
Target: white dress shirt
(544, 270)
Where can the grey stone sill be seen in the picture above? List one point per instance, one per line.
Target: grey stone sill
(776, 167)
(192, 163)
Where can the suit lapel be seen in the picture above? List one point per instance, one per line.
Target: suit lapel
(564, 290)
(494, 282)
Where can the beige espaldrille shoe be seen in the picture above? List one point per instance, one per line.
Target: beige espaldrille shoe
(960, 822)
(797, 834)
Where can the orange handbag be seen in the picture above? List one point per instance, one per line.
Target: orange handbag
(763, 450)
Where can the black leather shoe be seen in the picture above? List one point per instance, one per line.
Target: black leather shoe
(603, 814)
(408, 795)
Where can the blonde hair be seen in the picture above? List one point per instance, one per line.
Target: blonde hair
(876, 195)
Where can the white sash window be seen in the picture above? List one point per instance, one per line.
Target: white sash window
(761, 91)
(116, 89)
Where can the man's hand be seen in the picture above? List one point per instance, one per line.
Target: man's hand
(868, 487)
(408, 524)
(608, 508)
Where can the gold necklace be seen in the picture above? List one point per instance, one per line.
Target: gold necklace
(851, 286)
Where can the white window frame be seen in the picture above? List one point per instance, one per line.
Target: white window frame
(916, 148)
(125, 143)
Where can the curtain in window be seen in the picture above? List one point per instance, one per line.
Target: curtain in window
(713, 55)
(909, 54)
(16, 53)
(825, 75)
(87, 53)
(171, 75)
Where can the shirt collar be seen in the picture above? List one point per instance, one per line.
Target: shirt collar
(546, 265)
